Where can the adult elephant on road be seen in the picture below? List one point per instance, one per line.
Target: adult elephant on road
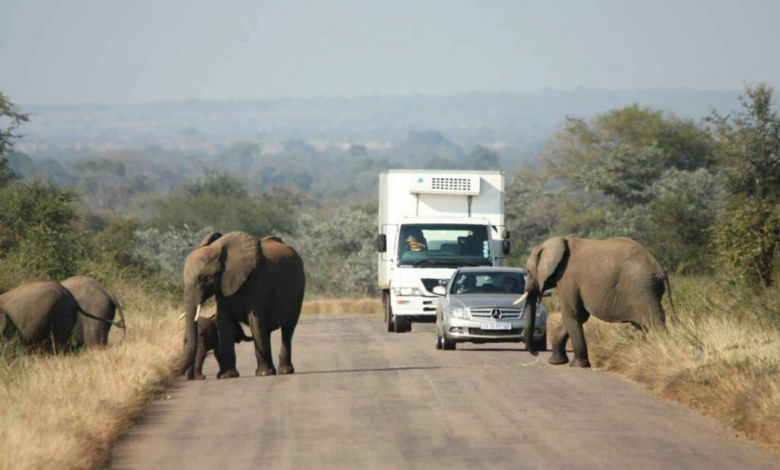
(259, 282)
(616, 280)
(93, 297)
(41, 313)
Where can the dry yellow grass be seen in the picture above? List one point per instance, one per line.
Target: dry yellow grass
(367, 305)
(63, 412)
(719, 356)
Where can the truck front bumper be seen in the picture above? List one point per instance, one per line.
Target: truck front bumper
(415, 306)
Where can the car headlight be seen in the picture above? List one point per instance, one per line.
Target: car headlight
(540, 312)
(409, 291)
(458, 312)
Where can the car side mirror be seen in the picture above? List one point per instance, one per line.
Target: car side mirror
(440, 290)
(505, 247)
(547, 293)
(381, 243)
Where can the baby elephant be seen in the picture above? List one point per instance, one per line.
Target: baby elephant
(208, 340)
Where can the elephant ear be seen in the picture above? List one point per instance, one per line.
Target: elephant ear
(210, 238)
(544, 260)
(241, 254)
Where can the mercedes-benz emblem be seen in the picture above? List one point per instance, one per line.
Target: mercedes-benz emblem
(496, 313)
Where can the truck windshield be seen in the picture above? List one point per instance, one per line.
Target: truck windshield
(443, 244)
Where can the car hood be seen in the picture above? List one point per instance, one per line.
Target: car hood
(486, 300)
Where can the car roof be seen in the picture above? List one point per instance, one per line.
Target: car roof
(475, 269)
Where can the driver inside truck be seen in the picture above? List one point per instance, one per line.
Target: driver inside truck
(415, 241)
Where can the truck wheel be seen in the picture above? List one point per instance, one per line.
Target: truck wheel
(402, 324)
(389, 316)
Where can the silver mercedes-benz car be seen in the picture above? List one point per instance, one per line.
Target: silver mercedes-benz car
(476, 306)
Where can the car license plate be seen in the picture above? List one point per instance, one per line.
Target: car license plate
(496, 326)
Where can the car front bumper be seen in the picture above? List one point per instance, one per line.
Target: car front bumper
(471, 330)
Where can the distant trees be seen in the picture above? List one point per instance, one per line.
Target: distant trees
(748, 144)
(223, 201)
(10, 121)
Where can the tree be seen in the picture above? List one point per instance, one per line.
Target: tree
(10, 120)
(623, 152)
(748, 144)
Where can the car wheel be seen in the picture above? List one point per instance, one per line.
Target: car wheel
(541, 344)
(446, 344)
(438, 341)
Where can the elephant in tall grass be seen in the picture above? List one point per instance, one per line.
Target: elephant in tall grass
(257, 282)
(615, 280)
(94, 298)
(40, 313)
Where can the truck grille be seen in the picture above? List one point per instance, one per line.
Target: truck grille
(483, 312)
(431, 283)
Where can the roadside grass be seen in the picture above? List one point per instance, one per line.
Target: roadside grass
(63, 412)
(720, 355)
(331, 306)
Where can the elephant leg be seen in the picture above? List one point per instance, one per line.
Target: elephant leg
(285, 355)
(226, 347)
(200, 356)
(262, 336)
(573, 321)
(559, 339)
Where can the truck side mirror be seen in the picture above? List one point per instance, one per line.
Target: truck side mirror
(381, 243)
(440, 290)
(507, 235)
(505, 247)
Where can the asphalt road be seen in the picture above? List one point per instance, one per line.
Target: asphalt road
(366, 399)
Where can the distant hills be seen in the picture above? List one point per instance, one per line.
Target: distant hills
(521, 120)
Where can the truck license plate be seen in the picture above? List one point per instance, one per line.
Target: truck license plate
(496, 326)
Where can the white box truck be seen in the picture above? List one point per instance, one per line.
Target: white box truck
(431, 222)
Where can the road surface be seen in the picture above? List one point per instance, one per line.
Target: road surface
(362, 398)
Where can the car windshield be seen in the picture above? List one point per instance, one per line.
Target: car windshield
(443, 244)
(488, 283)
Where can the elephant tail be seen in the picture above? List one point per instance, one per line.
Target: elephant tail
(118, 324)
(122, 323)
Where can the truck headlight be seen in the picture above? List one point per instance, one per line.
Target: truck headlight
(409, 291)
(458, 312)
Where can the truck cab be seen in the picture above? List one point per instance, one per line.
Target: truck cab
(430, 223)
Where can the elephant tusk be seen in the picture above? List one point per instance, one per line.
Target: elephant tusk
(522, 297)
(181, 317)
(197, 312)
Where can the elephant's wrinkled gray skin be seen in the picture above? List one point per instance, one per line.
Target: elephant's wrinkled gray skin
(257, 282)
(616, 280)
(42, 313)
(208, 340)
(95, 299)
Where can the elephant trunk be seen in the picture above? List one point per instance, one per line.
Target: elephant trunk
(192, 306)
(529, 312)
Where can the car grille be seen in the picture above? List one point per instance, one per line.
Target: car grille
(488, 312)
(481, 332)
(431, 283)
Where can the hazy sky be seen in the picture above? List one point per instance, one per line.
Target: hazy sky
(131, 51)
